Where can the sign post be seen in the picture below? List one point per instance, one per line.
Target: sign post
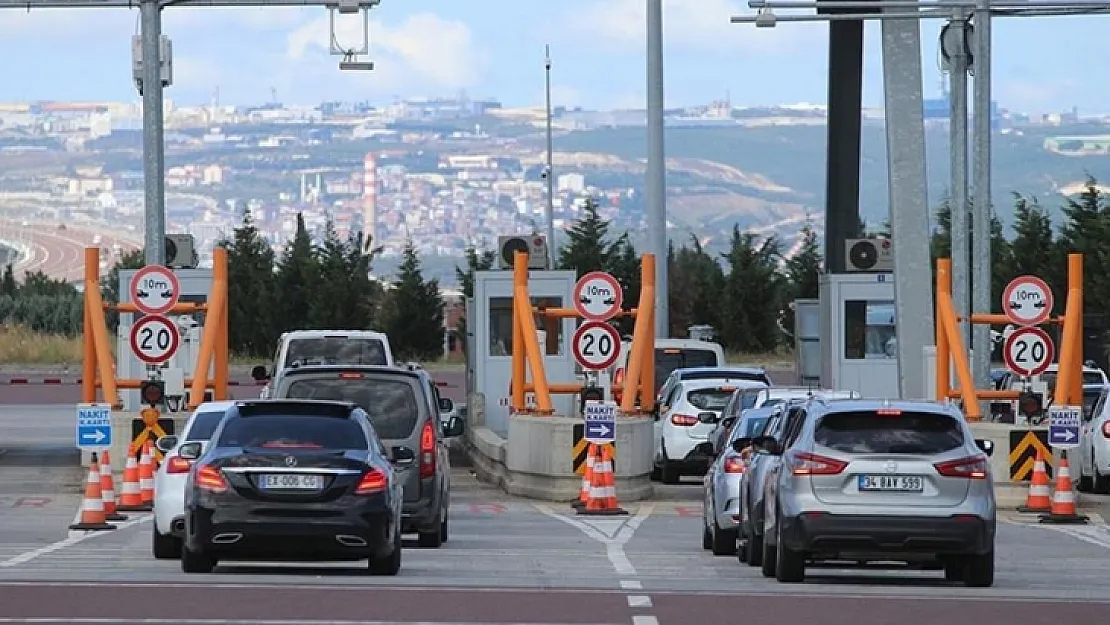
(94, 427)
(1027, 301)
(1028, 351)
(601, 421)
(1064, 426)
(154, 339)
(155, 290)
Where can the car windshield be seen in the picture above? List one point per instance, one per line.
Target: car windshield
(391, 404)
(667, 360)
(335, 350)
(204, 424)
(1090, 398)
(868, 432)
(751, 427)
(293, 432)
(709, 398)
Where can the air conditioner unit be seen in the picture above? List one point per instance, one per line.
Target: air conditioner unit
(534, 244)
(869, 255)
(181, 251)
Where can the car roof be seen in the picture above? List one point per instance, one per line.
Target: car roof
(314, 334)
(736, 383)
(722, 370)
(376, 369)
(216, 406)
(851, 405)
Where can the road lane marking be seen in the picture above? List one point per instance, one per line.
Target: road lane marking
(631, 585)
(639, 601)
(614, 547)
(645, 620)
(74, 538)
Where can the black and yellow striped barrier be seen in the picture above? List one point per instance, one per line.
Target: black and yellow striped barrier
(1024, 445)
(580, 446)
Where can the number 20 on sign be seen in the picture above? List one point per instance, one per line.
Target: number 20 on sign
(1028, 351)
(596, 345)
(154, 339)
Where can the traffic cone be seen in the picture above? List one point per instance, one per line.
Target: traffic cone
(92, 505)
(146, 476)
(587, 476)
(1039, 499)
(1063, 508)
(108, 489)
(130, 500)
(603, 489)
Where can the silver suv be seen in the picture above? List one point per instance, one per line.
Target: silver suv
(880, 481)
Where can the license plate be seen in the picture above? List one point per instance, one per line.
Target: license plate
(292, 481)
(897, 483)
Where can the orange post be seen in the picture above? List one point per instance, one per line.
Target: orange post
(944, 363)
(522, 303)
(1075, 281)
(88, 360)
(222, 357)
(519, 368)
(647, 350)
(634, 377)
(217, 306)
(1070, 361)
(104, 361)
(963, 370)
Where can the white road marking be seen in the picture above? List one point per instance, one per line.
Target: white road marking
(73, 539)
(645, 620)
(639, 601)
(631, 585)
(614, 547)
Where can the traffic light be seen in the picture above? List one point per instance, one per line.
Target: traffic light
(590, 393)
(152, 392)
(1030, 404)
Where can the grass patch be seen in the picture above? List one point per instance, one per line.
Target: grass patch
(19, 345)
(782, 359)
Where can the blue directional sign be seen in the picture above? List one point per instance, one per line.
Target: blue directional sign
(1063, 426)
(94, 426)
(601, 421)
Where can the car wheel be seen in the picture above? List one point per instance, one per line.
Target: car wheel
(755, 550)
(390, 564)
(741, 549)
(443, 527)
(954, 570)
(706, 536)
(431, 538)
(724, 541)
(1085, 485)
(979, 570)
(1101, 483)
(770, 558)
(669, 473)
(164, 546)
(790, 565)
(656, 473)
(196, 561)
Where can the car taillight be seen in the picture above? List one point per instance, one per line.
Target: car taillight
(428, 451)
(373, 482)
(973, 468)
(1106, 429)
(178, 465)
(684, 420)
(734, 465)
(210, 479)
(618, 379)
(805, 463)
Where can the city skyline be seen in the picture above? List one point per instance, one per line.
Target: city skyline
(439, 47)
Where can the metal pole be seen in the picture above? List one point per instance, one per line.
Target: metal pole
(550, 165)
(154, 190)
(656, 192)
(953, 42)
(981, 210)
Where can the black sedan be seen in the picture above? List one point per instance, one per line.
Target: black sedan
(299, 481)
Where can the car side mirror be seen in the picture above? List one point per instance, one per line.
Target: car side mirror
(740, 444)
(259, 373)
(166, 443)
(446, 405)
(986, 445)
(708, 417)
(455, 427)
(401, 455)
(189, 451)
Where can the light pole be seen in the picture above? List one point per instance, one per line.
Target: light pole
(656, 188)
(550, 172)
(955, 46)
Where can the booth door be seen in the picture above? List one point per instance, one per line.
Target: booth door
(868, 356)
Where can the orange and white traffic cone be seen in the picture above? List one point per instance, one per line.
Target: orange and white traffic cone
(587, 478)
(92, 505)
(130, 499)
(108, 489)
(146, 476)
(1039, 498)
(603, 488)
(1063, 509)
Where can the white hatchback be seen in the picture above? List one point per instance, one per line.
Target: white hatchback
(170, 478)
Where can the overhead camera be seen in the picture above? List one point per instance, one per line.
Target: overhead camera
(356, 66)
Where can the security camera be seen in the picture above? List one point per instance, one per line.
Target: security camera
(765, 19)
(356, 66)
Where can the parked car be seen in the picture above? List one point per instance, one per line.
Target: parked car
(687, 412)
(1094, 441)
(721, 503)
(168, 527)
(671, 354)
(404, 405)
(878, 480)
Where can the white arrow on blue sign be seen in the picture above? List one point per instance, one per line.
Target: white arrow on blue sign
(1064, 426)
(601, 421)
(94, 426)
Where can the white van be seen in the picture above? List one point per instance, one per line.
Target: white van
(671, 354)
(325, 347)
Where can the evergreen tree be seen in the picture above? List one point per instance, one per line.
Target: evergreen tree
(8, 285)
(298, 278)
(587, 247)
(415, 312)
(803, 273)
(346, 295)
(1086, 230)
(251, 289)
(625, 267)
(752, 293)
(109, 284)
(695, 281)
(475, 262)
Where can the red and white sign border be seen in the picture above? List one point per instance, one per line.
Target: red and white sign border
(576, 349)
(1037, 283)
(161, 271)
(618, 295)
(1050, 356)
(175, 338)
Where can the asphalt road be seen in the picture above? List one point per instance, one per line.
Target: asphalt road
(507, 561)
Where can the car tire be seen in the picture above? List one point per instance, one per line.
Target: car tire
(954, 570)
(706, 536)
(755, 550)
(390, 564)
(741, 549)
(656, 473)
(723, 542)
(443, 527)
(979, 570)
(196, 561)
(164, 546)
(669, 473)
(770, 558)
(790, 565)
(1101, 483)
(431, 538)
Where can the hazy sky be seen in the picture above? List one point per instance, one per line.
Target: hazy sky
(495, 48)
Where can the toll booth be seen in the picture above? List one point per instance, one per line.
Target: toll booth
(857, 337)
(807, 341)
(195, 287)
(489, 330)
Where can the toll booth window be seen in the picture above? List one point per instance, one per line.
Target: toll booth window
(869, 330)
(501, 325)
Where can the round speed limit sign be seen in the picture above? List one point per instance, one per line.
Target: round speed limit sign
(154, 339)
(596, 345)
(1028, 351)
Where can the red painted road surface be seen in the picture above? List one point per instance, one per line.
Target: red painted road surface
(195, 603)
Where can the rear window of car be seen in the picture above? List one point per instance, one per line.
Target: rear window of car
(867, 432)
(708, 398)
(752, 427)
(204, 424)
(293, 432)
(669, 359)
(391, 404)
(335, 350)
